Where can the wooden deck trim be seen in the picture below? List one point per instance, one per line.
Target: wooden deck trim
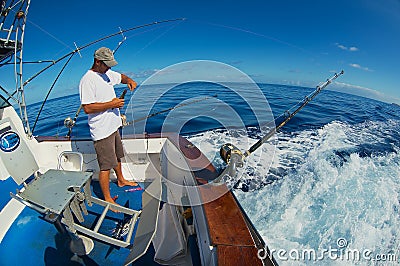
(226, 223)
(237, 255)
(228, 231)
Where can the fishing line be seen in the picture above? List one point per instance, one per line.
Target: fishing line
(51, 35)
(138, 34)
(257, 34)
(156, 38)
(169, 109)
(204, 112)
(148, 30)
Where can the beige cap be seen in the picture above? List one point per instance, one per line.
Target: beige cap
(104, 54)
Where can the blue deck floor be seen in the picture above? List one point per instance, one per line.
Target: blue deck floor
(33, 241)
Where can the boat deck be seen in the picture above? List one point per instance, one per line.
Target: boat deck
(229, 230)
(42, 244)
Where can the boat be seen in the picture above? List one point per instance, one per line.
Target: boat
(52, 212)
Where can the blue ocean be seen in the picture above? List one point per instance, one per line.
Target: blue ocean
(325, 190)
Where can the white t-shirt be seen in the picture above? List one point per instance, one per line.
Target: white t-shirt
(94, 88)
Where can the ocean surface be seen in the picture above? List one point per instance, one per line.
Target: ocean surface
(325, 190)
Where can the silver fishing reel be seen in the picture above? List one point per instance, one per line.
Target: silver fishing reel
(234, 158)
(230, 152)
(124, 121)
(69, 122)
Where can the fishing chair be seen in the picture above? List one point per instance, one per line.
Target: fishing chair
(61, 195)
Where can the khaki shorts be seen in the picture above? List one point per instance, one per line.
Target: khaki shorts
(109, 151)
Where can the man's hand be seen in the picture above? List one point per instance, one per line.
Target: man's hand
(117, 103)
(128, 81)
(101, 107)
(131, 84)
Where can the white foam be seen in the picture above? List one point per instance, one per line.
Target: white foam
(321, 195)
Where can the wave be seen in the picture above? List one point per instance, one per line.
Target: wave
(316, 186)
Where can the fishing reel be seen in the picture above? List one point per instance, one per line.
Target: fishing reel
(69, 122)
(230, 152)
(233, 157)
(124, 121)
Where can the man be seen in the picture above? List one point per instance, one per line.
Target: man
(99, 101)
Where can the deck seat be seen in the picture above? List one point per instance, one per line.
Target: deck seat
(54, 190)
(50, 192)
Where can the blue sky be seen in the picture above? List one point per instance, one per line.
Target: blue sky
(283, 42)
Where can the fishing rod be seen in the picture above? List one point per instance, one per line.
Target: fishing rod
(70, 123)
(291, 115)
(234, 157)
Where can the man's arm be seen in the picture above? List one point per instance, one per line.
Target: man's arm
(114, 103)
(100, 107)
(128, 81)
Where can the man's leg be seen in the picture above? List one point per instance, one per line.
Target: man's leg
(104, 181)
(119, 152)
(120, 178)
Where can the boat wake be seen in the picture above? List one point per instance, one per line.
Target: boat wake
(320, 185)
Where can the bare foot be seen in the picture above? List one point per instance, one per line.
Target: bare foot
(127, 183)
(113, 202)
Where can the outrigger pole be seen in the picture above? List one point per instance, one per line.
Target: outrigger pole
(70, 54)
(234, 157)
(78, 49)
